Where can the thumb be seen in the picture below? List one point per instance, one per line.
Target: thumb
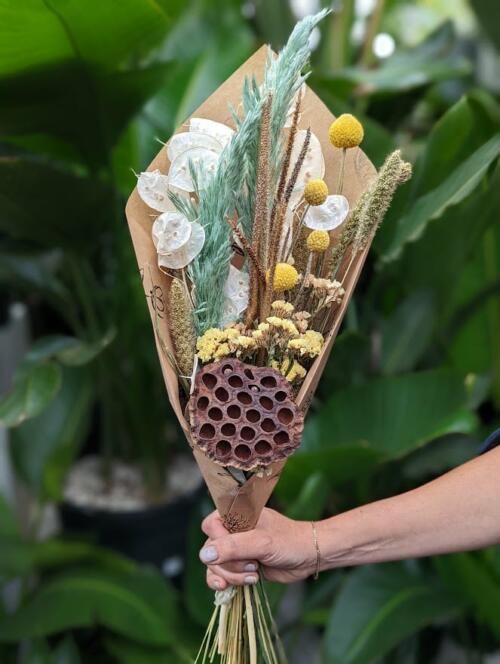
(252, 545)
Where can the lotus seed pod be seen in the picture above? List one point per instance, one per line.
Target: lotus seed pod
(244, 416)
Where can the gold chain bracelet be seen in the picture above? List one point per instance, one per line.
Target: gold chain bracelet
(318, 552)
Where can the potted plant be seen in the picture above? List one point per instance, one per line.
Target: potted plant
(90, 426)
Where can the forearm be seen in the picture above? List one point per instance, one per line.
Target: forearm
(457, 512)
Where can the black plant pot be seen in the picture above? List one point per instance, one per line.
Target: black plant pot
(156, 535)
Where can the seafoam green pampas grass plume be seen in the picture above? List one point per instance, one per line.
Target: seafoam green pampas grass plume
(229, 192)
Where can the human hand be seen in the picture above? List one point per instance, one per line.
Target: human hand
(284, 548)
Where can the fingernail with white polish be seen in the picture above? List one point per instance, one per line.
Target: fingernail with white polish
(250, 580)
(208, 554)
(250, 567)
(216, 584)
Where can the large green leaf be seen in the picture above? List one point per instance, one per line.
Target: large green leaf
(393, 415)
(126, 651)
(138, 605)
(364, 425)
(43, 448)
(429, 62)
(339, 463)
(70, 351)
(454, 189)
(472, 579)
(101, 34)
(464, 128)
(51, 208)
(33, 391)
(378, 607)
(457, 235)
(15, 556)
(406, 333)
(487, 13)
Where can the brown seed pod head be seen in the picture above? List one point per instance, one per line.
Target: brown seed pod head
(244, 416)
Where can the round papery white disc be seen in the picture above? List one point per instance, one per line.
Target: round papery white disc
(205, 161)
(152, 187)
(171, 230)
(186, 140)
(175, 260)
(236, 288)
(229, 312)
(217, 130)
(313, 166)
(328, 216)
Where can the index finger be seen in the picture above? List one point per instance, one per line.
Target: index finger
(213, 526)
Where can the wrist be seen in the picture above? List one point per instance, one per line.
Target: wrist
(347, 539)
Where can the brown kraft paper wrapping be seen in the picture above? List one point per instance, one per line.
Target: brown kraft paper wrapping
(241, 505)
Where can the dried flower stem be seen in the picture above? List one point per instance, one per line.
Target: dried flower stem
(259, 230)
(340, 184)
(286, 160)
(247, 248)
(278, 226)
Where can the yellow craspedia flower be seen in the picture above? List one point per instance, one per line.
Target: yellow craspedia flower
(318, 241)
(315, 192)
(285, 277)
(346, 131)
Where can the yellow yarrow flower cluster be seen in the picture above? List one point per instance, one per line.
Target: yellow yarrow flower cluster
(318, 241)
(285, 277)
(213, 344)
(308, 345)
(291, 370)
(346, 132)
(282, 309)
(315, 192)
(282, 325)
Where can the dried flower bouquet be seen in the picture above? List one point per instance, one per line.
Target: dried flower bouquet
(251, 228)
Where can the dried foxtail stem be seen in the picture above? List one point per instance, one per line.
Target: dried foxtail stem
(278, 226)
(247, 248)
(298, 165)
(394, 172)
(260, 232)
(347, 236)
(286, 159)
(181, 327)
(259, 229)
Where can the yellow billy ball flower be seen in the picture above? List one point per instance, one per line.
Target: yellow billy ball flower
(285, 277)
(318, 241)
(346, 131)
(315, 192)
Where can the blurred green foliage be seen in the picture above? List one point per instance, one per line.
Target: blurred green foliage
(414, 379)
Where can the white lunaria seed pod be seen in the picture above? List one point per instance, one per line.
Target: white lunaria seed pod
(186, 140)
(152, 187)
(220, 131)
(177, 240)
(328, 216)
(204, 161)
